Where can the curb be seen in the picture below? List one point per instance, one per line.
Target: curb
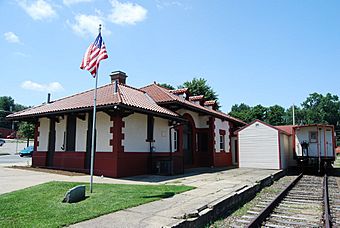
(216, 209)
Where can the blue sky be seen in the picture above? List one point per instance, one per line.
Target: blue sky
(255, 52)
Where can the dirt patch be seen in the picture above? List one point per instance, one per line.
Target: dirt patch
(45, 170)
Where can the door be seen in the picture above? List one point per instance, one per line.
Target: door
(187, 144)
(234, 150)
(329, 143)
(203, 151)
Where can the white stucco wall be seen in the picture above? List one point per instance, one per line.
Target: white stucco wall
(258, 147)
(43, 129)
(103, 132)
(81, 132)
(135, 133)
(60, 130)
(200, 121)
(221, 125)
(161, 135)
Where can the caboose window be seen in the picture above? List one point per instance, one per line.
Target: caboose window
(313, 137)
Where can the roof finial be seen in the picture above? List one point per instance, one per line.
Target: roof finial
(100, 28)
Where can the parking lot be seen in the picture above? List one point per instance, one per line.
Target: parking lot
(9, 152)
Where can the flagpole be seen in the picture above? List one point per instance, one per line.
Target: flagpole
(93, 130)
(94, 125)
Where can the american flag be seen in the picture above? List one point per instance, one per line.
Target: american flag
(93, 55)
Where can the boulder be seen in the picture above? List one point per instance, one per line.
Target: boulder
(75, 194)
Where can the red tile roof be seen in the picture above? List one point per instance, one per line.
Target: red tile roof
(179, 91)
(162, 96)
(286, 128)
(128, 96)
(210, 103)
(196, 98)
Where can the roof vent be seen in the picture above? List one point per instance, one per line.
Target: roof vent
(118, 75)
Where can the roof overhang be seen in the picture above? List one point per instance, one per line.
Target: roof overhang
(113, 107)
(199, 110)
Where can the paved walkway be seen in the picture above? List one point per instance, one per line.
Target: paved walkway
(211, 186)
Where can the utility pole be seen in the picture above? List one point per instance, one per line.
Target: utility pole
(293, 108)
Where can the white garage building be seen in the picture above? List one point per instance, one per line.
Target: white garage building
(264, 146)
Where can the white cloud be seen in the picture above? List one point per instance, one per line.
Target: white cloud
(161, 4)
(21, 54)
(126, 13)
(71, 2)
(38, 10)
(88, 25)
(50, 87)
(11, 37)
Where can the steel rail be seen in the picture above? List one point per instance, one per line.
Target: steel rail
(327, 217)
(257, 221)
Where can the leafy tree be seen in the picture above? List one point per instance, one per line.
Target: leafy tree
(275, 115)
(322, 109)
(299, 115)
(165, 85)
(26, 130)
(259, 112)
(242, 112)
(199, 86)
(7, 106)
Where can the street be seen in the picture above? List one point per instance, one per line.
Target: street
(9, 153)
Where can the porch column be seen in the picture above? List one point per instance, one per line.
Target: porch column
(51, 143)
(116, 141)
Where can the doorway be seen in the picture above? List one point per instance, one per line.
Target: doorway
(188, 144)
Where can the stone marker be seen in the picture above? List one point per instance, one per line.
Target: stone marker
(75, 194)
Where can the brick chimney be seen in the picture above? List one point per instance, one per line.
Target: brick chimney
(120, 76)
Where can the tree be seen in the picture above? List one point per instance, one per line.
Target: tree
(299, 115)
(322, 109)
(26, 130)
(259, 112)
(275, 115)
(165, 85)
(242, 112)
(6, 105)
(199, 86)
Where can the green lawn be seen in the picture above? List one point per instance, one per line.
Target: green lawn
(337, 162)
(41, 206)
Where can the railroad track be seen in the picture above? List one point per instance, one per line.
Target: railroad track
(303, 203)
(334, 201)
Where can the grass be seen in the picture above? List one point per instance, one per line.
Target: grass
(337, 162)
(41, 206)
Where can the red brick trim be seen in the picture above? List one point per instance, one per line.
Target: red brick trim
(36, 135)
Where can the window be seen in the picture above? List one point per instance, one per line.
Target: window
(222, 142)
(150, 128)
(175, 140)
(313, 136)
(71, 133)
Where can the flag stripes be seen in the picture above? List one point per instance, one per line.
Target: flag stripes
(93, 55)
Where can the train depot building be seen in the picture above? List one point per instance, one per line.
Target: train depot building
(154, 130)
(138, 131)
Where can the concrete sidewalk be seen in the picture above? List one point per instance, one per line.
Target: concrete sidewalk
(212, 190)
(216, 190)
